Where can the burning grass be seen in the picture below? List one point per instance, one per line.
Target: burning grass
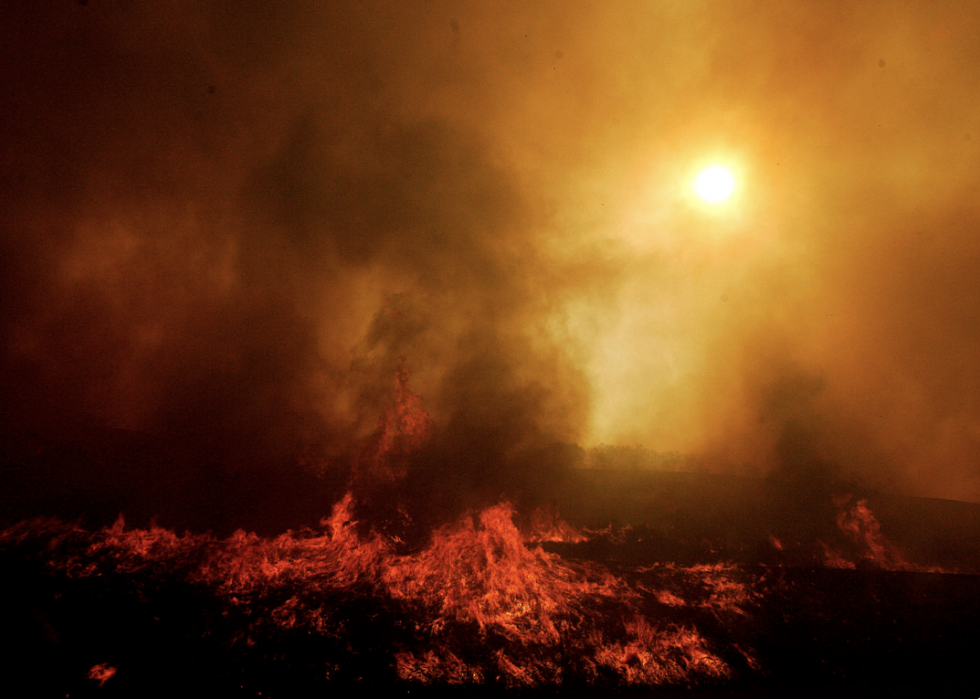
(864, 543)
(478, 605)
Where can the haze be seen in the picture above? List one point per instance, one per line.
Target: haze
(234, 221)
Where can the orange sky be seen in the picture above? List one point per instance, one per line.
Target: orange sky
(238, 217)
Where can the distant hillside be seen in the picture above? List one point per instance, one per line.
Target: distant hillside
(693, 515)
(669, 510)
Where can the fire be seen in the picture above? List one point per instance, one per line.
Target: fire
(480, 571)
(652, 656)
(101, 673)
(870, 547)
(547, 525)
(482, 603)
(402, 430)
(478, 605)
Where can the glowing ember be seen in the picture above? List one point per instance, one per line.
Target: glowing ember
(101, 673)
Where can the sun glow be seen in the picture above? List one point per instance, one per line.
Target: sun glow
(714, 184)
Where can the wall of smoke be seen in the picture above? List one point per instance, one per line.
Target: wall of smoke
(232, 222)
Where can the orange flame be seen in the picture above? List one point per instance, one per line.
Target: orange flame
(517, 607)
(101, 673)
(403, 429)
(486, 604)
(872, 548)
(547, 525)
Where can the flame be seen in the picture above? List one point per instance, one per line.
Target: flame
(432, 667)
(480, 574)
(869, 545)
(481, 603)
(481, 571)
(713, 587)
(547, 526)
(402, 430)
(653, 656)
(101, 673)
(478, 605)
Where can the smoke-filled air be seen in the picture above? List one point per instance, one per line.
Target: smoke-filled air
(442, 251)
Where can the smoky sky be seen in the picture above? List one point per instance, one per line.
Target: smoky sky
(235, 221)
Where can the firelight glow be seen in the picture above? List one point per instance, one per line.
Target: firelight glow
(714, 184)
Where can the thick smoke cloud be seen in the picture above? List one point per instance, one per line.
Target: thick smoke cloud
(233, 223)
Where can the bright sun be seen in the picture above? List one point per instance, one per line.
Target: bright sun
(714, 184)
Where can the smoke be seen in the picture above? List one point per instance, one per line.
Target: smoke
(233, 222)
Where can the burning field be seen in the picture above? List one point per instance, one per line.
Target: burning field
(499, 603)
(476, 608)
(458, 347)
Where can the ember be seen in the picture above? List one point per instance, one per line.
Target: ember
(101, 673)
